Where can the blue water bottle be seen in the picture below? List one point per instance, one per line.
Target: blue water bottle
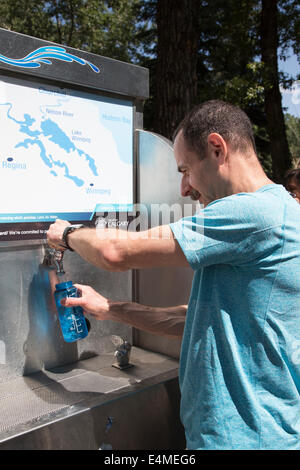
(72, 321)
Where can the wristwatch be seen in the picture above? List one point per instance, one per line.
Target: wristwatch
(67, 231)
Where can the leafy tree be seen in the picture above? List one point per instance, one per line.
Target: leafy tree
(293, 135)
(177, 54)
(281, 158)
(105, 27)
(288, 30)
(27, 17)
(229, 65)
(195, 51)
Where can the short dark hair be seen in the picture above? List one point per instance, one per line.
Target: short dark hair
(290, 175)
(231, 122)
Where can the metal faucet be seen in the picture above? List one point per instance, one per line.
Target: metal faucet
(122, 355)
(53, 259)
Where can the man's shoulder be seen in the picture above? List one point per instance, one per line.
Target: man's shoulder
(270, 194)
(264, 208)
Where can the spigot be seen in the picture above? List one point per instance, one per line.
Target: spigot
(53, 259)
(122, 355)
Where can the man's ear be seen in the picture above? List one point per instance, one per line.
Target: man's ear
(217, 147)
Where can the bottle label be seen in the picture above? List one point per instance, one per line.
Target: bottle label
(76, 324)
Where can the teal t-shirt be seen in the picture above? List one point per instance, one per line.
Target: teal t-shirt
(240, 357)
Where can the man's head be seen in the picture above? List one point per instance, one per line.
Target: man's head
(212, 144)
(292, 183)
(219, 117)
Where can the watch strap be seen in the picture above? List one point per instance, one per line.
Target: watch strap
(67, 231)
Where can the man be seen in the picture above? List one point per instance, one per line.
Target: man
(239, 365)
(292, 183)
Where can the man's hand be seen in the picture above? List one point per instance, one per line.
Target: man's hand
(55, 233)
(91, 302)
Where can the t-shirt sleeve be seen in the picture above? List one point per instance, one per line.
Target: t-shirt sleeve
(225, 231)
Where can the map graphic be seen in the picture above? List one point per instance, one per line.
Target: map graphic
(64, 153)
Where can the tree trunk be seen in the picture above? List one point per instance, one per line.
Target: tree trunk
(281, 158)
(177, 53)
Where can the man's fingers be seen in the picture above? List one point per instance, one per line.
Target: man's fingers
(82, 289)
(71, 302)
(79, 286)
(54, 234)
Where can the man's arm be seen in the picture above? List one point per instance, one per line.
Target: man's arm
(167, 321)
(119, 250)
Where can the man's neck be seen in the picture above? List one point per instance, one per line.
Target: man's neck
(247, 176)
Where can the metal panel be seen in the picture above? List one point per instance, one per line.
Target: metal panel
(159, 184)
(143, 421)
(29, 328)
(90, 404)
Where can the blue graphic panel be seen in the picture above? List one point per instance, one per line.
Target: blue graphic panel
(43, 56)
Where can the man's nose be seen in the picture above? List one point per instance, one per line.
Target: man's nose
(185, 188)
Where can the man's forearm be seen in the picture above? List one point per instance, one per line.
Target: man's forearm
(167, 321)
(119, 250)
(93, 247)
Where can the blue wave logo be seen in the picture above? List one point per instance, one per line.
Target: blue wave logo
(43, 56)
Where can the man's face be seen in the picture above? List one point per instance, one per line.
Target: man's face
(294, 188)
(198, 173)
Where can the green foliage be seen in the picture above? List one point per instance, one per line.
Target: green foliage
(105, 27)
(26, 16)
(292, 124)
(230, 68)
(289, 27)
